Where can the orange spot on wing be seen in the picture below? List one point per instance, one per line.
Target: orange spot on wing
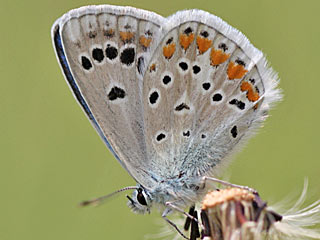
(236, 71)
(253, 96)
(168, 50)
(145, 42)
(246, 86)
(218, 56)
(203, 44)
(109, 33)
(252, 93)
(153, 67)
(186, 40)
(126, 36)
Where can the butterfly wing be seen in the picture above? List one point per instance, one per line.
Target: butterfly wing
(205, 90)
(103, 52)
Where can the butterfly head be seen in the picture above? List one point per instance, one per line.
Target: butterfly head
(140, 202)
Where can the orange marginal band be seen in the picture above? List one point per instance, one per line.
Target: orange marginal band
(145, 42)
(203, 44)
(126, 36)
(109, 32)
(186, 40)
(252, 93)
(153, 67)
(236, 71)
(218, 56)
(168, 50)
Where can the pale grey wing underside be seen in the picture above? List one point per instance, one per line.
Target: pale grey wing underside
(169, 96)
(205, 90)
(106, 50)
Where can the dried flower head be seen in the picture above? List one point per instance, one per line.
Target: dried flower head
(234, 213)
(237, 214)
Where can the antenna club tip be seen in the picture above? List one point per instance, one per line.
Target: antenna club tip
(84, 203)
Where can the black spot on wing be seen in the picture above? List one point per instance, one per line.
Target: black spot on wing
(187, 30)
(160, 137)
(97, 54)
(153, 98)
(241, 105)
(127, 56)
(223, 46)
(217, 97)
(116, 93)
(166, 79)
(240, 62)
(186, 133)
(111, 52)
(252, 81)
(181, 107)
(206, 86)
(85, 62)
(183, 66)
(204, 34)
(148, 33)
(169, 41)
(196, 69)
(234, 131)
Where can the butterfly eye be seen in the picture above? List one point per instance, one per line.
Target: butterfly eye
(140, 197)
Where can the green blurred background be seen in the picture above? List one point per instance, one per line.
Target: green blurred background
(51, 157)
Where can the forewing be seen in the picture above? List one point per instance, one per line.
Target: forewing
(103, 52)
(205, 90)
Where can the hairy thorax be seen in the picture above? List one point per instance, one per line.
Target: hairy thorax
(179, 190)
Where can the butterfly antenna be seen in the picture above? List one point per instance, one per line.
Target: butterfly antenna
(99, 200)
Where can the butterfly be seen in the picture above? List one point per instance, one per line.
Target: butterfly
(172, 98)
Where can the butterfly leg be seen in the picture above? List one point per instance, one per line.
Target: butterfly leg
(174, 207)
(164, 216)
(204, 179)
